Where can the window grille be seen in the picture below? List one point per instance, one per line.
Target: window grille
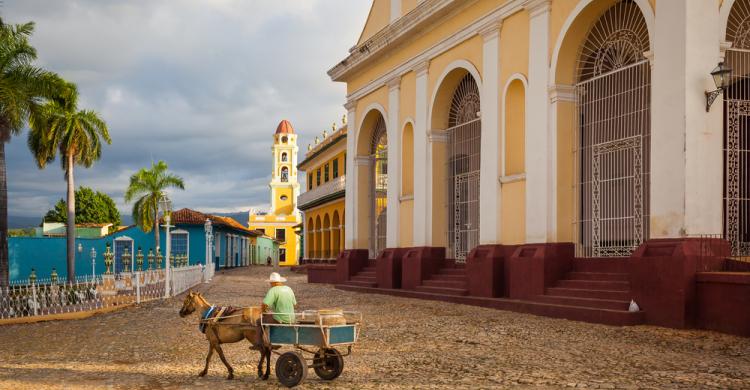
(613, 99)
(281, 235)
(317, 178)
(462, 171)
(121, 244)
(335, 168)
(736, 202)
(283, 157)
(325, 170)
(284, 174)
(179, 243)
(379, 151)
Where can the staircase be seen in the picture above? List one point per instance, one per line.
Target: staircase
(600, 287)
(450, 280)
(366, 277)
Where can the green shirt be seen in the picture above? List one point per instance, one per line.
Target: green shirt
(280, 299)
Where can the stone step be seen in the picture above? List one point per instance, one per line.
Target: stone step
(443, 290)
(594, 285)
(601, 276)
(368, 269)
(367, 273)
(449, 277)
(356, 283)
(601, 264)
(452, 271)
(583, 302)
(444, 283)
(589, 293)
(364, 278)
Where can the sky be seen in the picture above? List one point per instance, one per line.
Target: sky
(198, 84)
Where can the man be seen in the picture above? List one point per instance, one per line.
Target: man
(279, 300)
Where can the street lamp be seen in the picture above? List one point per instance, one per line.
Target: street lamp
(209, 238)
(93, 264)
(720, 74)
(166, 206)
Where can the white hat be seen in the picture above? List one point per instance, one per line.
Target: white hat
(276, 278)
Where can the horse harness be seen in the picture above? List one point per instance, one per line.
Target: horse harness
(215, 314)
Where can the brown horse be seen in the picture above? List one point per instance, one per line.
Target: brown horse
(229, 329)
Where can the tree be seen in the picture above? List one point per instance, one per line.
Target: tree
(23, 86)
(148, 186)
(91, 207)
(59, 125)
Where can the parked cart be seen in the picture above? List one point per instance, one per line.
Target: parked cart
(316, 338)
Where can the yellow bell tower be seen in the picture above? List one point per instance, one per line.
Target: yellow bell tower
(279, 223)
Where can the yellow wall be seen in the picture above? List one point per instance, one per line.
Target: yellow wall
(407, 5)
(408, 97)
(312, 167)
(513, 225)
(379, 17)
(407, 160)
(515, 112)
(283, 207)
(406, 224)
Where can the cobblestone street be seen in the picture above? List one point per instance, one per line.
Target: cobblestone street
(405, 343)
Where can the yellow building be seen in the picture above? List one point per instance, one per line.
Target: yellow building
(280, 222)
(323, 201)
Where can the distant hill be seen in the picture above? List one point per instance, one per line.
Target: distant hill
(18, 222)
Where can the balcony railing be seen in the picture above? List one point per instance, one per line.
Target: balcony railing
(333, 186)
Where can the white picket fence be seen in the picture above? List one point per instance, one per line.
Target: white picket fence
(42, 297)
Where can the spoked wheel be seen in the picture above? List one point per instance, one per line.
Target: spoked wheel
(328, 363)
(291, 369)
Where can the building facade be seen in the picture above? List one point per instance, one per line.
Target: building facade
(564, 130)
(323, 201)
(279, 223)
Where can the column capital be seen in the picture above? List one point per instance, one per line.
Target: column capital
(491, 30)
(421, 68)
(562, 93)
(536, 7)
(363, 160)
(438, 136)
(723, 47)
(393, 83)
(350, 105)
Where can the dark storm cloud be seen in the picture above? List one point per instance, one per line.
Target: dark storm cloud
(199, 84)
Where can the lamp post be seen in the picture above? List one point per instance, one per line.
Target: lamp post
(721, 75)
(208, 227)
(93, 264)
(166, 206)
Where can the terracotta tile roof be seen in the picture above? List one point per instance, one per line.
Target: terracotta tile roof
(284, 127)
(192, 217)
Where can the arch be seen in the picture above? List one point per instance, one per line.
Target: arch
(601, 55)
(407, 158)
(379, 190)
(366, 124)
(310, 241)
(284, 174)
(446, 84)
(284, 157)
(326, 236)
(724, 11)
(513, 145)
(589, 8)
(456, 146)
(318, 239)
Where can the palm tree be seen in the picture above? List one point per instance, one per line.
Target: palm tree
(22, 87)
(148, 186)
(77, 134)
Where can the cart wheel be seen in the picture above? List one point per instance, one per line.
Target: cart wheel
(328, 363)
(291, 369)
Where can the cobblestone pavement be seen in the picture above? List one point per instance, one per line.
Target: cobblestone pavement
(406, 343)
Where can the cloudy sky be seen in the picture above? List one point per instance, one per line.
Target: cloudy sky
(199, 84)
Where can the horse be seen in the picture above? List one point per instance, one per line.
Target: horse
(229, 329)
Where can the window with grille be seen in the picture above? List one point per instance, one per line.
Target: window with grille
(379, 196)
(179, 242)
(122, 245)
(284, 174)
(335, 168)
(317, 177)
(325, 171)
(283, 157)
(281, 235)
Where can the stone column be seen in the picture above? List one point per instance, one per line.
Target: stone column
(394, 164)
(540, 141)
(422, 166)
(686, 141)
(489, 186)
(350, 204)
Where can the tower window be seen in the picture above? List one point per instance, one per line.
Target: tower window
(335, 168)
(325, 172)
(283, 157)
(284, 174)
(284, 197)
(281, 235)
(317, 178)
(309, 183)
(284, 139)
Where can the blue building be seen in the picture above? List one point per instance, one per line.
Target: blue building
(233, 245)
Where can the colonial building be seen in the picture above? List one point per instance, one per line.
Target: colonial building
(323, 201)
(279, 223)
(569, 131)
